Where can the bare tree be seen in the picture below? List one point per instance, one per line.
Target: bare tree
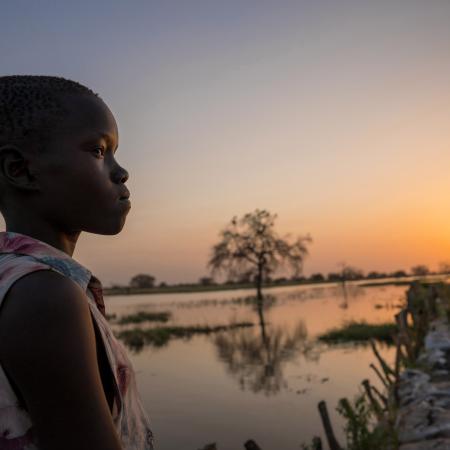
(250, 246)
(350, 273)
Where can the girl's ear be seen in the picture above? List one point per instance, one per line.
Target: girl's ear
(14, 168)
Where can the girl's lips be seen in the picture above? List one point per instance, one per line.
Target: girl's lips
(125, 194)
(125, 201)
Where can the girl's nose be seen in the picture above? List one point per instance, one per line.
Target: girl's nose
(121, 175)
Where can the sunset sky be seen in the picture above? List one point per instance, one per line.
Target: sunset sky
(333, 114)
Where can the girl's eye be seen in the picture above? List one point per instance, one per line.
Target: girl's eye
(100, 151)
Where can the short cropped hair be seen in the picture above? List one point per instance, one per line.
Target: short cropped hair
(31, 105)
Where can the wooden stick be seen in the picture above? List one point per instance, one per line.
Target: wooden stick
(386, 384)
(375, 405)
(399, 358)
(431, 301)
(405, 335)
(326, 422)
(382, 397)
(386, 369)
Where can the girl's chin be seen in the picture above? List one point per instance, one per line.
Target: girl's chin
(110, 228)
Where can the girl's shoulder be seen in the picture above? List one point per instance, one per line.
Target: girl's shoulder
(52, 358)
(37, 305)
(15, 266)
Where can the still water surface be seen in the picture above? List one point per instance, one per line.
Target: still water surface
(262, 382)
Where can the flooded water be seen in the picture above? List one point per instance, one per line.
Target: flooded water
(261, 382)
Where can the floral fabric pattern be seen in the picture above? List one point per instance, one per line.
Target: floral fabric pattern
(21, 254)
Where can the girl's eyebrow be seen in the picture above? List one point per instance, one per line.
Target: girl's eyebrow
(107, 138)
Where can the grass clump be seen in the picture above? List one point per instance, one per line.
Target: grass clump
(136, 338)
(363, 429)
(143, 316)
(360, 332)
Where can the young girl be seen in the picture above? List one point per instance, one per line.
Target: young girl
(65, 381)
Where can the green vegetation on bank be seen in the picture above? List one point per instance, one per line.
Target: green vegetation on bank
(136, 338)
(143, 316)
(360, 332)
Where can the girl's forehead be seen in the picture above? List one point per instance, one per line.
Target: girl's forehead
(89, 115)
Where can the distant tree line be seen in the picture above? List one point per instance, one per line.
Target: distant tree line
(145, 281)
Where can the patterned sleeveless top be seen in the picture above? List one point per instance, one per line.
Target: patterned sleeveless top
(21, 254)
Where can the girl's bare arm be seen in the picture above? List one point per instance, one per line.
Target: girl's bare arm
(47, 346)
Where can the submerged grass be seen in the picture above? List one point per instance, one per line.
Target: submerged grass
(143, 316)
(360, 332)
(136, 338)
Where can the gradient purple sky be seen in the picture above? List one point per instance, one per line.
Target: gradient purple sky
(333, 114)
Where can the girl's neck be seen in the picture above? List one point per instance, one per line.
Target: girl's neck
(63, 241)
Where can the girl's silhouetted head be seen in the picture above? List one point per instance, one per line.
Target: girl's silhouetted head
(58, 171)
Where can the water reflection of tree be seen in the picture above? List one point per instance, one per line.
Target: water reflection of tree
(257, 359)
(348, 273)
(348, 292)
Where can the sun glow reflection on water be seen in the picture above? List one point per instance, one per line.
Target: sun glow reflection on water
(262, 382)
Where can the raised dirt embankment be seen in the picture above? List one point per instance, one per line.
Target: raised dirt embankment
(423, 416)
